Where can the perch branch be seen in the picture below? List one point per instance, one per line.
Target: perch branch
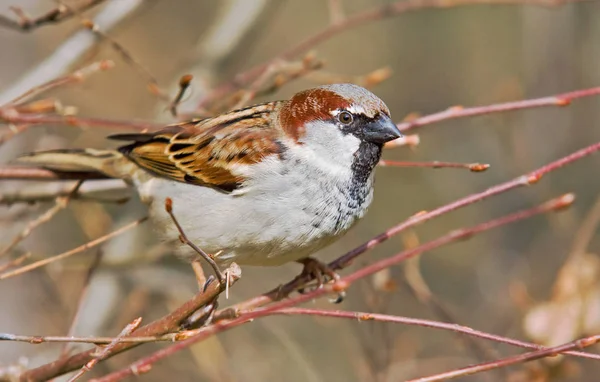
(563, 99)
(355, 316)
(521, 358)
(474, 167)
(25, 23)
(242, 317)
(71, 50)
(106, 350)
(74, 251)
(346, 259)
(365, 316)
(353, 21)
(166, 324)
(59, 205)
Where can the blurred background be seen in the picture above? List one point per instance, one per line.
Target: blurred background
(535, 280)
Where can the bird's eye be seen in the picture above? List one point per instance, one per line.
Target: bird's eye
(345, 117)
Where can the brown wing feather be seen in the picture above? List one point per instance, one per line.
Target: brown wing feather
(205, 152)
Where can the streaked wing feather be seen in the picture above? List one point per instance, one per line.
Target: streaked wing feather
(205, 152)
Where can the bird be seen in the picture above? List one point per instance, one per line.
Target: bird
(263, 185)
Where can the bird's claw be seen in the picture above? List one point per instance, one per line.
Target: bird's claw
(321, 273)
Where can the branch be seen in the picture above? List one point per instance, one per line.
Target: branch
(29, 173)
(365, 316)
(60, 204)
(521, 358)
(108, 349)
(355, 316)
(70, 51)
(52, 370)
(243, 317)
(24, 23)
(563, 99)
(75, 77)
(474, 167)
(74, 251)
(166, 324)
(38, 196)
(345, 260)
(360, 18)
(13, 116)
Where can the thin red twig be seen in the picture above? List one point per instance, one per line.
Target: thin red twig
(349, 22)
(563, 99)
(521, 358)
(24, 23)
(365, 316)
(106, 350)
(12, 116)
(74, 251)
(475, 167)
(167, 324)
(145, 363)
(346, 259)
(70, 78)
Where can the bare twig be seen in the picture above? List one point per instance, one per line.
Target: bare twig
(82, 296)
(15, 262)
(13, 116)
(350, 22)
(13, 132)
(563, 99)
(521, 358)
(40, 174)
(25, 23)
(365, 316)
(59, 205)
(273, 78)
(356, 316)
(336, 11)
(75, 77)
(49, 195)
(184, 84)
(474, 167)
(242, 317)
(71, 50)
(167, 324)
(127, 57)
(410, 140)
(368, 80)
(417, 285)
(106, 351)
(81, 248)
(346, 259)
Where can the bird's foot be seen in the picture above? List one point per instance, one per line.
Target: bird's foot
(321, 273)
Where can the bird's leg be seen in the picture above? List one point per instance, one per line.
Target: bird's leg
(185, 240)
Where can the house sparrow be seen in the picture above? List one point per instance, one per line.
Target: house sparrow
(263, 185)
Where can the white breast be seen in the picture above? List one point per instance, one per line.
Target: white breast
(287, 210)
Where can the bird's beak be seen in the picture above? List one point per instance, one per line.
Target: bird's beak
(382, 130)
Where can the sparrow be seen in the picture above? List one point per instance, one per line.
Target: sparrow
(263, 185)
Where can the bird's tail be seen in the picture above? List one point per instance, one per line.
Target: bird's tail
(109, 163)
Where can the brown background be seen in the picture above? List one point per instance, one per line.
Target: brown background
(473, 55)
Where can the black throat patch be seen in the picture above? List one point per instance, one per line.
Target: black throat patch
(365, 159)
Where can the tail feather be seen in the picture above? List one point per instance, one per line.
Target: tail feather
(110, 163)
